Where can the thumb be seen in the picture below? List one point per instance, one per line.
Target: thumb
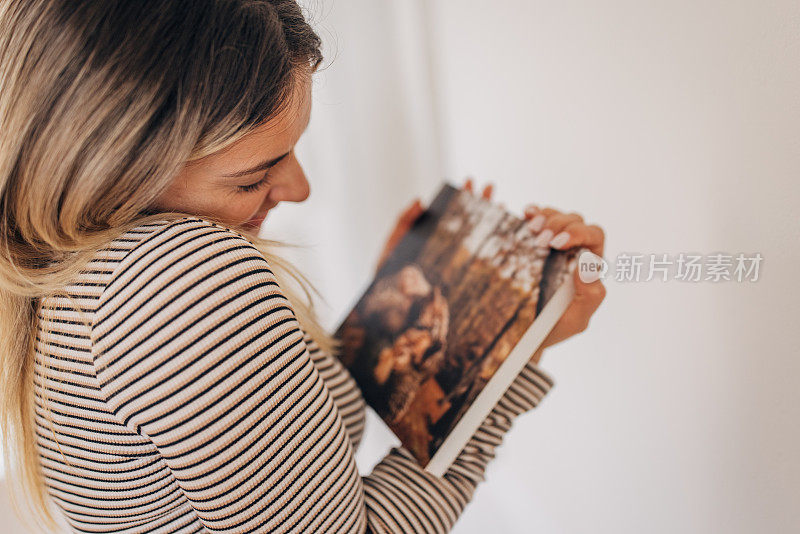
(412, 211)
(588, 295)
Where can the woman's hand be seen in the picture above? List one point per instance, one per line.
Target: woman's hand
(562, 231)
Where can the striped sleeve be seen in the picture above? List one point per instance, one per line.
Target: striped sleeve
(196, 349)
(342, 387)
(402, 497)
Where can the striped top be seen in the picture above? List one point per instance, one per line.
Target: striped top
(176, 392)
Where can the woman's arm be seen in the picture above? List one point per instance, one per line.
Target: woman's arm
(402, 497)
(342, 387)
(438, 502)
(197, 349)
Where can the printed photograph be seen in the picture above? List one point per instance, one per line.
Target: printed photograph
(444, 312)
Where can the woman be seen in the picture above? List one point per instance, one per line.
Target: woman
(157, 375)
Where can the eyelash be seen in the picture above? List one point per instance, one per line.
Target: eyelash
(254, 186)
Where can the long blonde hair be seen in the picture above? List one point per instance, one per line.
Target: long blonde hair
(101, 104)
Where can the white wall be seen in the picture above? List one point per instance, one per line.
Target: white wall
(674, 125)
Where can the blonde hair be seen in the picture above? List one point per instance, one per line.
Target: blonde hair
(101, 104)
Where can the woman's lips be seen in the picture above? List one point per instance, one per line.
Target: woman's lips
(257, 219)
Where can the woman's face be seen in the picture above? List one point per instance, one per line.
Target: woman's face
(240, 184)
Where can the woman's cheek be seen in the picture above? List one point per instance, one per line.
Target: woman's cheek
(251, 205)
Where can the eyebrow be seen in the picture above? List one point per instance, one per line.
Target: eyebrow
(263, 166)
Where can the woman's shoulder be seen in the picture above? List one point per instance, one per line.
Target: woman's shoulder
(160, 259)
(169, 231)
(152, 242)
(192, 304)
(168, 240)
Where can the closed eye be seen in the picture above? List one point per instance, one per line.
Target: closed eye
(255, 186)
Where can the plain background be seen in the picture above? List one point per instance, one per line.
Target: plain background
(675, 126)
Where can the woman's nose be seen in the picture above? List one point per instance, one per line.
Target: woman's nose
(292, 185)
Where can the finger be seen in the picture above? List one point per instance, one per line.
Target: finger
(411, 213)
(577, 316)
(401, 228)
(391, 243)
(407, 219)
(553, 225)
(549, 211)
(530, 211)
(540, 218)
(580, 234)
(588, 297)
(395, 237)
(468, 185)
(487, 191)
(537, 356)
(557, 222)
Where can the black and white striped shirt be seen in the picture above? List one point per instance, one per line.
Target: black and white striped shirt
(186, 398)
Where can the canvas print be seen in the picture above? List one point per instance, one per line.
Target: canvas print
(444, 312)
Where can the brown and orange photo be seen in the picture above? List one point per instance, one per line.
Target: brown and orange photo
(444, 312)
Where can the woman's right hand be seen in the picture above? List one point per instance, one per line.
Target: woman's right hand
(562, 231)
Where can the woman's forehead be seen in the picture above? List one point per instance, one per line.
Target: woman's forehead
(274, 137)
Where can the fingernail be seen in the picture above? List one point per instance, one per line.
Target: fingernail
(537, 223)
(589, 277)
(530, 211)
(560, 240)
(543, 239)
(591, 267)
